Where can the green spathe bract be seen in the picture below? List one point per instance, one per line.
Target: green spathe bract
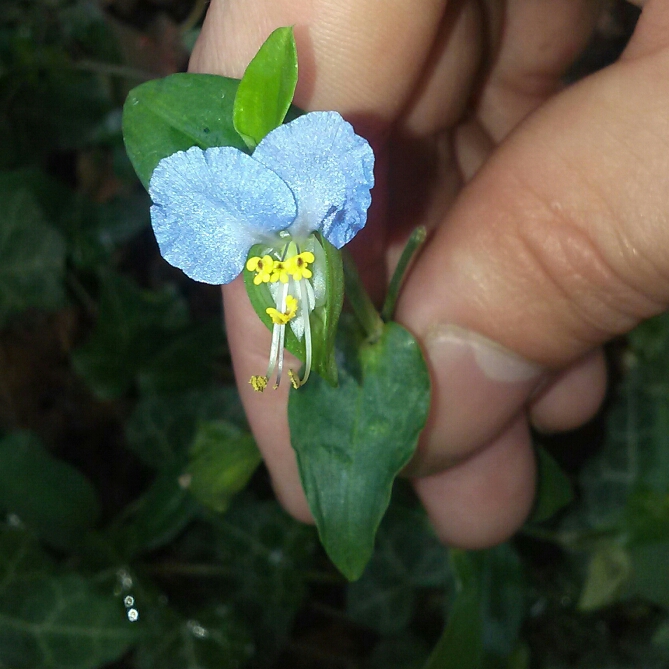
(352, 441)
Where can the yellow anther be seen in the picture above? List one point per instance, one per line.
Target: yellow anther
(259, 383)
(282, 318)
(298, 266)
(280, 272)
(263, 267)
(293, 379)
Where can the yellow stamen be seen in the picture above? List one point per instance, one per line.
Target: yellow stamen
(298, 266)
(280, 272)
(259, 383)
(282, 318)
(293, 379)
(263, 267)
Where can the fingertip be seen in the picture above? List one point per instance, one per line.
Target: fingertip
(482, 501)
(573, 398)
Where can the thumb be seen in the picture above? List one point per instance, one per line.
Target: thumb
(558, 244)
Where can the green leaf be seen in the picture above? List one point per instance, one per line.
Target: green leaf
(323, 319)
(399, 652)
(650, 577)
(32, 256)
(162, 427)
(133, 328)
(267, 88)
(408, 556)
(461, 643)
(609, 573)
(161, 513)
(352, 441)
(554, 490)
(167, 115)
(222, 459)
(48, 495)
(60, 622)
(503, 599)
(210, 639)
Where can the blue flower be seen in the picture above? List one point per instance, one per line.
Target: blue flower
(211, 206)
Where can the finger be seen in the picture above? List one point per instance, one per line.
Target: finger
(339, 48)
(558, 243)
(573, 398)
(483, 500)
(536, 43)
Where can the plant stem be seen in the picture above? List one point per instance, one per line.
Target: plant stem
(362, 305)
(415, 242)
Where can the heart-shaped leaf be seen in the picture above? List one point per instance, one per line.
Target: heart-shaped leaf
(352, 441)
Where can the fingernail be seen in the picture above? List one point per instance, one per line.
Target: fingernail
(478, 386)
(496, 362)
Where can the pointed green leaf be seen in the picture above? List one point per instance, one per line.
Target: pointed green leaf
(167, 115)
(609, 573)
(32, 256)
(222, 459)
(461, 643)
(267, 88)
(323, 319)
(48, 495)
(352, 441)
(554, 490)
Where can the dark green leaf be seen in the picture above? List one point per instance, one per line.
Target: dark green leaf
(399, 652)
(267, 88)
(48, 495)
(211, 639)
(553, 487)
(221, 462)
(407, 556)
(142, 336)
(503, 599)
(609, 573)
(461, 643)
(32, 256)
(650, 573)
(352, 441)
(60, 622)
(162, 428)
(172, 114)
(323, 319)
(158, 516)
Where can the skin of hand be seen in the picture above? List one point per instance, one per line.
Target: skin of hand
(547, 207)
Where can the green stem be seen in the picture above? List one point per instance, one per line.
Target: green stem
(362, 305)
(415, 242)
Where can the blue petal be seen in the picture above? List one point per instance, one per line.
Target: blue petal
(211, 206)
(329, 169)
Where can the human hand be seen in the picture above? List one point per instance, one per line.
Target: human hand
(547, 240)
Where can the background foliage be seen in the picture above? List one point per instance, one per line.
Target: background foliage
(138, 530)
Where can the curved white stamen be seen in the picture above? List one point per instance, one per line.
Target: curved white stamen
(307, 330)
(278, 341)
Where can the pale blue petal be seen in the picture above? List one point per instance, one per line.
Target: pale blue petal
(329, 169)
(210, 207)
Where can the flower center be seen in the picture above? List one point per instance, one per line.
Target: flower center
(291, 270)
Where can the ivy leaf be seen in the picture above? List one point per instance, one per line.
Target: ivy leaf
(162, 427)
(554, 490)
(158, 515)
(352, 441)
(323, 319)
(461, 643)
(134, 328)
(48, 495)
(60, 622)
(164, 116)
(408, 555)
(222, 459)
(32, 256)
(210, 639)
(267, 88)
